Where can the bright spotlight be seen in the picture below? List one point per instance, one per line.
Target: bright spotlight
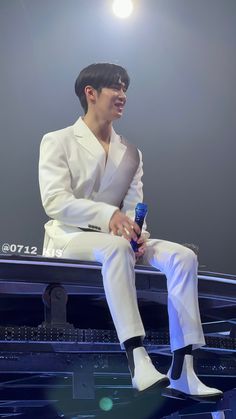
(122, 8)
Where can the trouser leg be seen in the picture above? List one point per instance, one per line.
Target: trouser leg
(179, 264)
(180, 267)
(117, 258)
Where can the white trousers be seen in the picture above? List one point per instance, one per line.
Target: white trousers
(178, 263)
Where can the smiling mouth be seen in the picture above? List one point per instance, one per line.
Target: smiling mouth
(120, 106)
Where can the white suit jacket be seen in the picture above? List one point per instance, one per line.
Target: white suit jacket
(79, 189)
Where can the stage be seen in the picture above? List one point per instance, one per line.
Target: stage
(59, 353)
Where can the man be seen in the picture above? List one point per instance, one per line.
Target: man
(90, 182)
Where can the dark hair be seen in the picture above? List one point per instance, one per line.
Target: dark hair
(98, 76)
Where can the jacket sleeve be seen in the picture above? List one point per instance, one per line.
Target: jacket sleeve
(57, 195)
(134, 196)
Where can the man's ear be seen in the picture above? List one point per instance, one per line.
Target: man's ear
(90, 93)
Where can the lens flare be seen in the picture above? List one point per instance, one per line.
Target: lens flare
(106, 404)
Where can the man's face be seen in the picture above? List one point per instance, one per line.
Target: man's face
(110, 101)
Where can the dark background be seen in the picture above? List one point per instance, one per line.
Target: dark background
(181, 109)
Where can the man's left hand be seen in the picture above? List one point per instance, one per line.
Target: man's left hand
(141, 250)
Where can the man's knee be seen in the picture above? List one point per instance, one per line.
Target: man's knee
(186, 258)
(120, 246)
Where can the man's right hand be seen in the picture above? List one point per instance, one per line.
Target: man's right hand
(121, 225)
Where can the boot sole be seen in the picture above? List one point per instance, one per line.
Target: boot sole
(159, 385)
(177, 394)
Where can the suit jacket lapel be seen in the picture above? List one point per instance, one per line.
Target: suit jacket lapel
(87, 140)
(115, 155)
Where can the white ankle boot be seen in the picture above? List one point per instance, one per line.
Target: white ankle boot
(145, 374)
(189, 385)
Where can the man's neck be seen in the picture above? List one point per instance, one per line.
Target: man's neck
(100, 128)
